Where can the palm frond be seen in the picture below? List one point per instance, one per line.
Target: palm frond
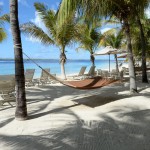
(112, 38)
(3, 35)
(4, 18)
(81, 47)
(41, 8)
(67, 8)
(48, 17)
(36, 32)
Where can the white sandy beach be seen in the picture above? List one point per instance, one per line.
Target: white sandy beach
(63, 118)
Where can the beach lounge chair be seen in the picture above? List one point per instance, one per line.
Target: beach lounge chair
(114, 74)
(81, 73)
(99, 72)
(44, 78)
(91, 71)
(82, 70)
(125, 71)
(90, 74)
(7, 89)
(105, 73)
(52, 81)
(29, 77)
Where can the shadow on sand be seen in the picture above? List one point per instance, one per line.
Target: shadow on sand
(125, 131)
(109, 134)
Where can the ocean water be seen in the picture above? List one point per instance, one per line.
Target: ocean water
(71, 66)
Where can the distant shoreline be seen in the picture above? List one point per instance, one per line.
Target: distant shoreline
(10, 59)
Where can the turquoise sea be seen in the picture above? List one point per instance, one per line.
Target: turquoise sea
(71, 66)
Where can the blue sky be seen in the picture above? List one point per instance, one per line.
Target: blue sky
(32, 47)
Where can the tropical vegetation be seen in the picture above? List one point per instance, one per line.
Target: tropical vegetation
(56, 34)
(123, 10)
(115, 39)
(88, 36)
(64, 27)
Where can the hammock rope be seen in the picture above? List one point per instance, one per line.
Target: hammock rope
(89, 83)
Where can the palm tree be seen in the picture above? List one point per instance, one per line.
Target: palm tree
(124, 12)
(114, 39)
(139, 8)
(122, 9)
(60, 35)
(21, 108)
(137, 43)
(88, 37)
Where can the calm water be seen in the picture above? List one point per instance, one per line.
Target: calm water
(72, 66)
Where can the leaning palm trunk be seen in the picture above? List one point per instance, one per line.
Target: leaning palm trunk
(143, 43)
(63, 61)
(117, 68)
(21, 109)
(92, 59)
(133, 86)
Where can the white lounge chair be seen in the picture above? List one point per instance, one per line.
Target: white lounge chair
(7, 89)
(29, 77)
(114, 74)
(125, 71)
(51, 81)
(105, 74)
(99, 72)
(82, 70)
(81, 73)
(44, 78)
(90, 74)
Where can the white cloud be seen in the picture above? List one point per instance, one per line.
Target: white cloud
(104, 30)
(1, 3)
(31, 39)
(37, 20)
(23, 2)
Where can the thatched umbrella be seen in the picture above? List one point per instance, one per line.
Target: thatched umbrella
(107, 51)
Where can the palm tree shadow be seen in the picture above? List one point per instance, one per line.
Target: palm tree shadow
(94, 100)
(5, 122)
(56, 110)
(107, 133)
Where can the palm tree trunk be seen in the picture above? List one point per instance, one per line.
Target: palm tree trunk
(63, 61)
(143, 43)
(133, 86)
(92, 59)
(21, 108)
(117, 68)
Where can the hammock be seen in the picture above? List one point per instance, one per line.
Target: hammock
(89, 83)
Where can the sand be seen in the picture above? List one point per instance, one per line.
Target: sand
(63, 118)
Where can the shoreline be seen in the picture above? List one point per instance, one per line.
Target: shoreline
(71, 67)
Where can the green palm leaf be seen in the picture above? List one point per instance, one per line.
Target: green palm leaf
(3, 34)
(36, 32)
(47, 16)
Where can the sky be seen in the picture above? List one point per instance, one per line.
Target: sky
(32, 47)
